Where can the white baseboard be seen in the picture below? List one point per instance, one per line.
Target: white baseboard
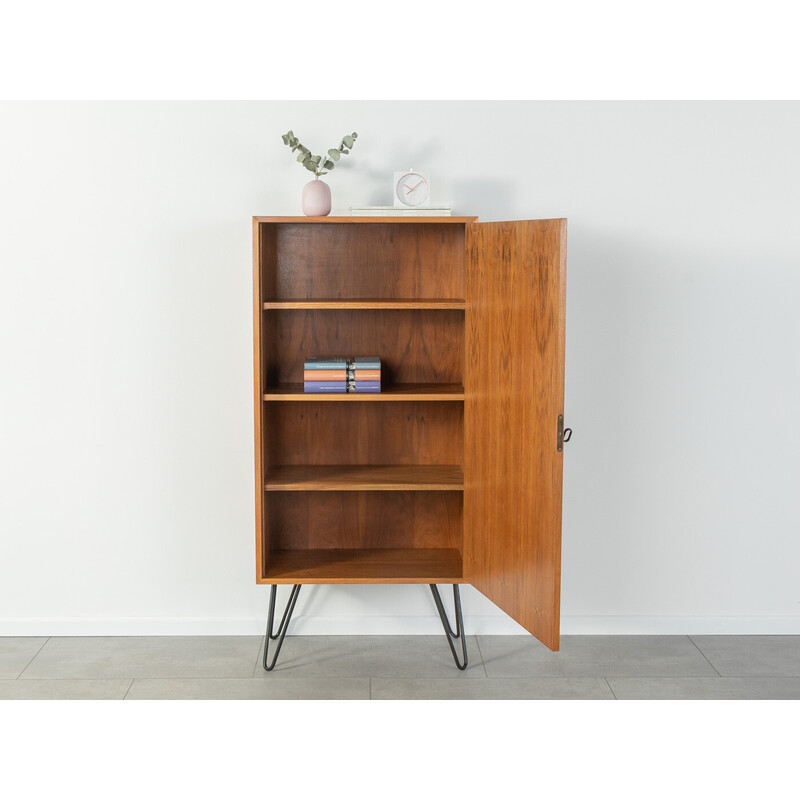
(680, 626)
(303, 625)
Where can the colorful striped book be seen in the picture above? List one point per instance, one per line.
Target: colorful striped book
(337, 374)
(325, 363)
(368, 362)
(328, 387)
(324, 374)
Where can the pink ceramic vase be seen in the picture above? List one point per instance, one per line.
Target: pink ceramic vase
(316, 199)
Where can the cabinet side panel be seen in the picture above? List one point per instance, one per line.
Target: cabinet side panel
(263, 269)
(514, 392)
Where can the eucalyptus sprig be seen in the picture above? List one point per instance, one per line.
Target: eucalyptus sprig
(317, 164)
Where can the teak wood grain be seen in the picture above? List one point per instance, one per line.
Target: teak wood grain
(514, 386)
(384, 565)
(415, 346)
(365, 433)
(396, 488)
(393, 393)
(370, 303)
(359, 478)
(373, 520)
(351, 262)
(261, 519)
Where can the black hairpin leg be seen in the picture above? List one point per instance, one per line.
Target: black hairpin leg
(448, 631)
(281, 632)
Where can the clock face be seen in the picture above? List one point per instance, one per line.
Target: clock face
(411, 189)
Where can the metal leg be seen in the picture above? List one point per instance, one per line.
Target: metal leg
(448, 631)
(281, 632)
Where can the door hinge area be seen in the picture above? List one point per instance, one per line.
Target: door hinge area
(562, 434)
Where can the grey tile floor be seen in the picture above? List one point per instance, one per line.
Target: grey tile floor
(401, 668)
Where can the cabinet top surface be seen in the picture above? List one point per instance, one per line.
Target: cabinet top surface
(384, 220)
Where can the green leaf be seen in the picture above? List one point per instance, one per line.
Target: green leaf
(328, 165)
(303, 148)
(290, 134)
(285, 139)
(310, 165)
(302, 157)
(334, 154)
(345, 151)
(347, 141)
(316, 159)
(354, 135)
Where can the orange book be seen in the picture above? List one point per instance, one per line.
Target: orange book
(324, 374)
(368, 374)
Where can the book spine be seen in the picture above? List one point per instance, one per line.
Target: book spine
(367, 363)
(367, 374)
(324, 375)
(368, 385)
(325, 363)
(323, 387)
(361, 389)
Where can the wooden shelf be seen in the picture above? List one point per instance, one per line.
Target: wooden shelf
(360, 478)
(368, 304)
(402, 392)
(389, 220)
(411, 565)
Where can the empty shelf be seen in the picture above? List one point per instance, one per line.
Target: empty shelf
(412, 565)
(358, 478)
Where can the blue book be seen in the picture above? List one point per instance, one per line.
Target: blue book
(325, 363)
(368, 386)
(367, 362)
(325, 387)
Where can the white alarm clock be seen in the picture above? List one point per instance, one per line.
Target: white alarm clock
(411, 190)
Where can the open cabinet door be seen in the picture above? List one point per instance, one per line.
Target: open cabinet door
(514, 394)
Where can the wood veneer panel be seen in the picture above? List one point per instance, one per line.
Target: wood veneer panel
(357, 478)
(414, 346)
(259, 428)
(352, 262)
(399, 392)
(364, 566)
(371, 303)
(514, 385)
(330, 520)
(409, 220)
(366, 433)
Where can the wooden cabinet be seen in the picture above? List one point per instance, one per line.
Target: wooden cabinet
(453, 473)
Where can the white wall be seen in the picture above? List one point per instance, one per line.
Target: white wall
(125, 346)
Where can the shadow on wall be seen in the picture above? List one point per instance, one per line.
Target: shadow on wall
(484, 198)
(672, 356)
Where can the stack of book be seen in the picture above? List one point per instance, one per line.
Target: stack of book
(342, 375)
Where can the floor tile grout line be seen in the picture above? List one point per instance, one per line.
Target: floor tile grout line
(258, 653)
(130, 686)
(480, 653)
(370, 688)
(697, 647)
(608, 683)
(33, 657)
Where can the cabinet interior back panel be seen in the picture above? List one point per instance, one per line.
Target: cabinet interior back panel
(342, 520)
(414, 346)
(366, 433)
(344, 261)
